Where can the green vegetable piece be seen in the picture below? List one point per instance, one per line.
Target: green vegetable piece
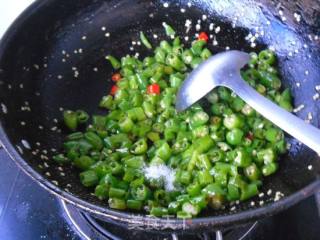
(101, 192)
(114, 62)
(235, 136)
(89, 178)
(203, 144)
(145, 40)
(190, 208)
(139, 147)
(117, 203)
(197, 47)
(204, 177)
(266, 156)
(70, 119)
(168, 29)
(116, 192)
(136, 114)
(94, 140)
(252, 172)
(126, 124)
(248, 191)
(159, 211)
(233, 121)
(60, 158)
(242, 158)
(106, 102)
(164, 151)
(83, 163)
(183, 215)
(269, 168)
(134, 204)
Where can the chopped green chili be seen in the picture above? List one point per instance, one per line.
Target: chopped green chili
(198, 158)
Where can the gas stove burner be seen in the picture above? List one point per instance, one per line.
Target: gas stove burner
(93, 228)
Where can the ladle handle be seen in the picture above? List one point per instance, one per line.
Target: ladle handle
(296, 127)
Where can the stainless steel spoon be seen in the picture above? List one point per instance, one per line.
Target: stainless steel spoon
(223, 69)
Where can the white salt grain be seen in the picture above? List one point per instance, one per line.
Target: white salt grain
(162, 172)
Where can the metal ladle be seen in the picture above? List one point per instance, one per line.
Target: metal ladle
(223, 69)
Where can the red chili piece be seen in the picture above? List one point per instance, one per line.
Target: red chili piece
(116, 77)
(114, 89)
(203, 36)
(153, 89)
(250, 136)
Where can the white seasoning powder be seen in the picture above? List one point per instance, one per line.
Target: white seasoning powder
(161, 172)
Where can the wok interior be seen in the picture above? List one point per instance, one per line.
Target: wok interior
(34, 75)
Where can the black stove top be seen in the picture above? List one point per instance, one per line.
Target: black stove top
(29, 212)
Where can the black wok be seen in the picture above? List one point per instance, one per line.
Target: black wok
(53, 57)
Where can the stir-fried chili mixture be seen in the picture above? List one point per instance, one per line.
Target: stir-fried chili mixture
(143, 155)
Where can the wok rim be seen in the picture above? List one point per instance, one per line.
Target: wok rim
(129, 218)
